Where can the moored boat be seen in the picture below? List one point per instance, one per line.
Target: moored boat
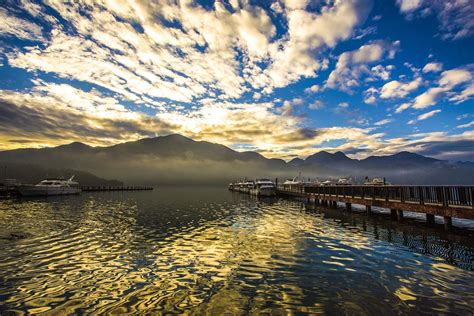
(51, 187)
(263, 187)
(376, 181)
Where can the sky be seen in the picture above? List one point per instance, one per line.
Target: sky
(283, 78)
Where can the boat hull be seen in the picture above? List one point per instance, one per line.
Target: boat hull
(31, 190)
(267, 191)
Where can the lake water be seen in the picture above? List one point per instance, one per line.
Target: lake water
(207, 250)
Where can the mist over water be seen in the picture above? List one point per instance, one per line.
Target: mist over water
(204, 249)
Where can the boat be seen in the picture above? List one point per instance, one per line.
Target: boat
(263, 187)
(296, 182)
(51, 187)
(376, 181)
(326, 183)
(247, 186)
(344, 181)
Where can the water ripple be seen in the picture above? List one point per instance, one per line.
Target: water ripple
(216, 252)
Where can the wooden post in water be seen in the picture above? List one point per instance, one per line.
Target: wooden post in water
(368, 209)
(430, 218)
(348, 206)
(393, 213)
(399, 215)
(448, 222)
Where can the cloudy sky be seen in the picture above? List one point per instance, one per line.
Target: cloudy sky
(285, 78)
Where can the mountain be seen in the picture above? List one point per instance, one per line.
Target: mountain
(30, 173)
(401, 168)
(175, 159)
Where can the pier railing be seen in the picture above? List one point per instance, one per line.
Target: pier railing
(114, 188)
(441, 195)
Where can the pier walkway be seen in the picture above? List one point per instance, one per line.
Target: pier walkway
(446, 201)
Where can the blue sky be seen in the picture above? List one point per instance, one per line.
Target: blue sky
(285, 78)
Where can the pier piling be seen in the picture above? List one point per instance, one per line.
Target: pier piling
(448, 222)
(430, 218)
(399, 215)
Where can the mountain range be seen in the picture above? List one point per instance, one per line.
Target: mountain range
(175, 159)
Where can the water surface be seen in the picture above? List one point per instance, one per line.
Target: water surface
(207, 250)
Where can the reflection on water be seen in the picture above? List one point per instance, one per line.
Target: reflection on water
(211, 251)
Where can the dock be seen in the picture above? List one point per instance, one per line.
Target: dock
(445, 201)
(97, 188)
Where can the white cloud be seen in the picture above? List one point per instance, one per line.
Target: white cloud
(455, 16)
(380, 72)
(343, 105)
(402, 107)
(297, 54)
(433, 67)
(313, 89)
(370, 95)
(428, 98)
(210, 51)
(397, 89)
(465, 95)
(316, 105)
(470, 124)
(22, 29)
(353, 64)
(383, 122)
(409, 5)
(427, 115)
(449, 80)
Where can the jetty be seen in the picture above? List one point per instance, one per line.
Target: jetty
(97, 188)
(445, 201)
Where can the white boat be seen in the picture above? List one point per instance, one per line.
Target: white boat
(326, 183)
(376, 181)
(296, 182)
(51, 187)
(263, 187)
(344, 181)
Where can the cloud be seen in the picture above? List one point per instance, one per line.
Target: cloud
(397, 89)
(424, 116)
(297, 54)
(313, 89)
(16, 27)
(470, 124)
(409, 5)
(353, 64)
(383, 122)
(433, 67)
(370, 96)
(55, 114)
(448, 80)
(183, 51)
(402, 107)
(465, 95)
(380, 72)
(451, 78)
(428, 98)
(343, 105)
(455, 16)
(316, 105)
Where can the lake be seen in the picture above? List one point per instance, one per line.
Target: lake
(207, 250)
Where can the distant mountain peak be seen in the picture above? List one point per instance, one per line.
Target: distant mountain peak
(75, 145)
(324, 157)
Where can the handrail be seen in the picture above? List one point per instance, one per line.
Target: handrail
(432, 194)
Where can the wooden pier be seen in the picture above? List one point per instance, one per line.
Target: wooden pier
(445, 201)
(97, 188)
